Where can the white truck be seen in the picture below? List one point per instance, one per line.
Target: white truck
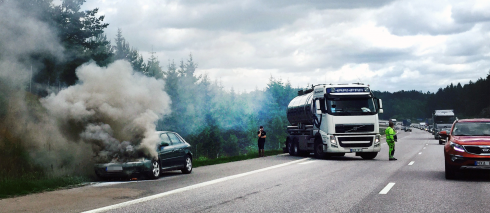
(331, 120)
(442, 119)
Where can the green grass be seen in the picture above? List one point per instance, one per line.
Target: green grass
(10, 187)
(205, 161)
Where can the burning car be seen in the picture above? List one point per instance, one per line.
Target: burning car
(174, 153)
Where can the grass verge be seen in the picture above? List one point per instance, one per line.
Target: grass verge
(10, 187)
(205, 161)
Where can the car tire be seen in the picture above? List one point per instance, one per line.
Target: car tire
(155, 170)
(187, 165)
(368, 155)
(441, 142)
(450, 172)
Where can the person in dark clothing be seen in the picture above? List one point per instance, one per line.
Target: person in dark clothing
(261, 134)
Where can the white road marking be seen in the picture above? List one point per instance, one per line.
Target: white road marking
(187, 188)
(411, 163)
(420, 153)
(307, 162)
(424, 147)
(386, 189)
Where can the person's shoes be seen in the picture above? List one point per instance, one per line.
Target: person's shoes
(392, 158)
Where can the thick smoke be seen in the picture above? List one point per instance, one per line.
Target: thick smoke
(110, 113)
(113, 109)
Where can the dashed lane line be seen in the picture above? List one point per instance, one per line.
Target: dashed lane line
(411, 163)
(386, 189)
(420, 153)
(191, 187)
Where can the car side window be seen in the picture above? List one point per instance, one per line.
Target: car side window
(164, 138)
(174, 138)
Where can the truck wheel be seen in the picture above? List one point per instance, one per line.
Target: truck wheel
(319, 150)
(293, 149)
(288, 145)
(368, 155)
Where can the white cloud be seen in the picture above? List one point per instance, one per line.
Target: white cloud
(392, 45)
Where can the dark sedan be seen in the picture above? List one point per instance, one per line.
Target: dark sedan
(174, 153)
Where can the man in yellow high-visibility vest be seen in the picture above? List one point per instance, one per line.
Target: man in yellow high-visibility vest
(390, 140)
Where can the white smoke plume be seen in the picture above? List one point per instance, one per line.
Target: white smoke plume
(113, 109)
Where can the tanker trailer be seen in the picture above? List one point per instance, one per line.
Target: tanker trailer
(331, 120)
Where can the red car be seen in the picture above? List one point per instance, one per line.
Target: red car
(467, 146)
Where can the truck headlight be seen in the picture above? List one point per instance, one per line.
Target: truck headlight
(333, 141)
(377, 140)
(456, 146)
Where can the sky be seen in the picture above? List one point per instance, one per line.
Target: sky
(391, 45)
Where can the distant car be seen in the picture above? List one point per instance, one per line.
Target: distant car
(407, 129)
(468, 146)
(174, 153)
(443, 139)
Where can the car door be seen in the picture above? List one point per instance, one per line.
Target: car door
(165, 151)
(179, 151)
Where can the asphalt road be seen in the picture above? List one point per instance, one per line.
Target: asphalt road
(414, 183)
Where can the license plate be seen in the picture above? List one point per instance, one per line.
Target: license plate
(355, 150)
(114, 168)
(482, 163)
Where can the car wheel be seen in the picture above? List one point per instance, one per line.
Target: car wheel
(188, 165)
(450, 172)
(154, 173)
(441, 141)
(368, 155)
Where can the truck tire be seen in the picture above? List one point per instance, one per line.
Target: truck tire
(294, 149)
(319, 154)
(368, 155)
(288, 145)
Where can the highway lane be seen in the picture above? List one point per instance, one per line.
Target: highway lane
(341, 184)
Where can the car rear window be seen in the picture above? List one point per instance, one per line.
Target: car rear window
(174, 138)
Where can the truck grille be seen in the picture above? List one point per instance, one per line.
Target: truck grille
(478, 150)
(348, 128)
(355, 141)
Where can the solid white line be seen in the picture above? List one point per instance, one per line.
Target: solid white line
(386, 189)
(187, 188)
(307, 162)
(411, 163)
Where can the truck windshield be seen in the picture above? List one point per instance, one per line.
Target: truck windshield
(444, 119)
(351, 106)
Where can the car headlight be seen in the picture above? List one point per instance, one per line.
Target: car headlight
(456, 146)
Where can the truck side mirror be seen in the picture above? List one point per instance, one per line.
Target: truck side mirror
(318, 107)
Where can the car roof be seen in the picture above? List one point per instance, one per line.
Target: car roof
(159, 132)
(474, 120)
